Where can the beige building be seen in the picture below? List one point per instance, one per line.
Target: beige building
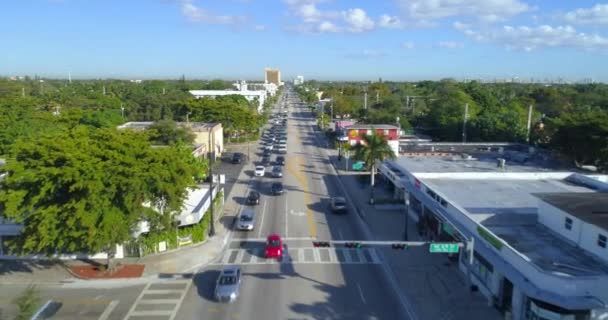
(272, 76)
(206, 134)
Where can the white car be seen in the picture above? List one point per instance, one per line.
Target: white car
(260, 171)
(268, 147)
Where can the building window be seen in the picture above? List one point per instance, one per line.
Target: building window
(369, 132)
(601, 240)
(568, 224)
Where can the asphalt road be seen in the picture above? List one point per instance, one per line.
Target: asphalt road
(310, 283)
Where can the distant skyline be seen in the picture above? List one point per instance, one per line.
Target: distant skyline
(319, 39)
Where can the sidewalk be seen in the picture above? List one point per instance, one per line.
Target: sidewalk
(433, 284)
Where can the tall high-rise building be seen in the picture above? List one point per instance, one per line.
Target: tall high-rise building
(272, 75)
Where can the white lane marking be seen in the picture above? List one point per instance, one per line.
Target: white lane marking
(141, 294)
(286, 218)
(108, 310)
(361, 294)
(181, 300)
(262, 220)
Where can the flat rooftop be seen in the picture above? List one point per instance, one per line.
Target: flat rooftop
(506, 202)
(508, 208)
(589, 207)
(478, 162)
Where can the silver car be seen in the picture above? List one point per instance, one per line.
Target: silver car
(246, 219)
(277, 172)
(228, 284)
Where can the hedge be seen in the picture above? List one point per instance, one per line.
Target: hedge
(149, 242)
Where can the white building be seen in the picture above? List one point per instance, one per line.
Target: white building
(298, 80)
(539, 234)
(250, 95)
(195, 206)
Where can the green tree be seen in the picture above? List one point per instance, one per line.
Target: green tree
(373, 148)
(166, 132)
(84, 189)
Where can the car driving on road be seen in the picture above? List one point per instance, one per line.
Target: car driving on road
(228, 284)
(253, 197)
(246, 219)
(277, 172)
(277, 188)
(260, 171)
(338, 205)
(274, 247)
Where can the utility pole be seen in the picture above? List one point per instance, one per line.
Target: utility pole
(104, 90)
(377, 96)
(464, 123)
(529, 123)
(211, 200)
(187, 117)
(365, 100)
(122, 109)
(23, 91)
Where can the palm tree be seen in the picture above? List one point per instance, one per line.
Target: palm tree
(372, 148)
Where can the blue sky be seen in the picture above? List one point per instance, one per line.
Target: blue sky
(321, 39)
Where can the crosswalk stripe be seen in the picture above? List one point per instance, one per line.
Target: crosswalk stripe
(316, 255)
(347, 257)
(239, 255)
(332, 256)
(374, 255)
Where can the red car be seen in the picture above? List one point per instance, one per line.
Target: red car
(274, 247)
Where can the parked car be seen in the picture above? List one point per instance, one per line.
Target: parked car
(253, 197)
(246, 220)
(282, 149)
(277, 188)
(260, 171)
(338, 205)
(266, 160)
(237, 158)
(228, 284)
(274, 247)
(280, 160)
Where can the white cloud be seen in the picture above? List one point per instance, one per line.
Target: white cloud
(596, 15)
(407, 45)
(531, 38)
(259, 27)
(391, 22)
(195, 13)
(327, 26)
(316, 20)
(450, 45)
(357, 20)
(426, 12)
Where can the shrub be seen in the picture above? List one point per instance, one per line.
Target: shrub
(27, 302)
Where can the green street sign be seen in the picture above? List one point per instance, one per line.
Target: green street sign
(444, 247)
(358, 166)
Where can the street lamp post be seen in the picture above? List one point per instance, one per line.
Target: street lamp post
(407, 217)
(211, 161)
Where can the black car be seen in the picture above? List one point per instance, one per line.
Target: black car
(267, 152)
(280, 160)
(277, 188)
(253, 197)
(266, 160)
(237, 158)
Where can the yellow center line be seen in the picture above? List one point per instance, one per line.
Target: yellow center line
(302, 179)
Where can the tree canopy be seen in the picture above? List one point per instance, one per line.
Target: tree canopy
(83, 189)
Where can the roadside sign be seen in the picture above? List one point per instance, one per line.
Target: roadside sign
(358, 166)
(347, 155)
(444, 247)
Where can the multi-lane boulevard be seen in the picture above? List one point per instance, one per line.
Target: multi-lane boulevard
(309, 283)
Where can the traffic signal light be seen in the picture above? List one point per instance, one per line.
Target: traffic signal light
(353, 245)
(399, 246)
(320, 244)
